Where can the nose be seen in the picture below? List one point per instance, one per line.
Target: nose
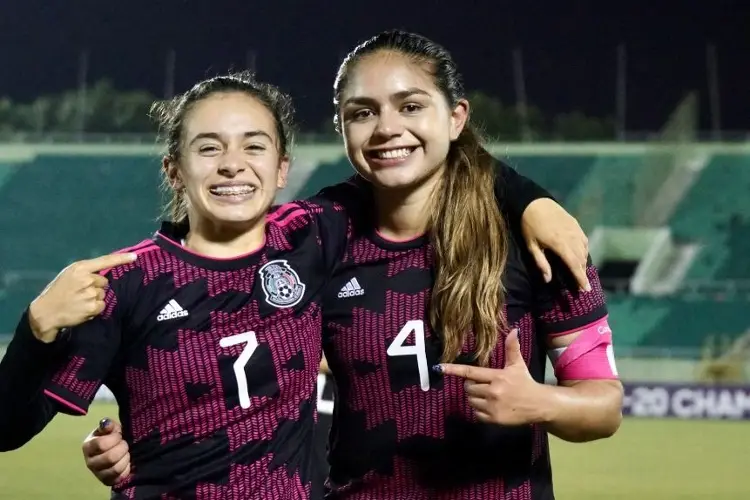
(390, 124)
(232, 163)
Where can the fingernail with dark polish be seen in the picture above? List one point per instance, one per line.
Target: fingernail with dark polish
(104, 423)
(437, 368)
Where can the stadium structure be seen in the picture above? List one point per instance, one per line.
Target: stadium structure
(668, 221)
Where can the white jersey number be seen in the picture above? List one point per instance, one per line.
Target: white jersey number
(397, 348)
(251, 343)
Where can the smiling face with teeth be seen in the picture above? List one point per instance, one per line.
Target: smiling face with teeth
(229, 164)
(397, 125)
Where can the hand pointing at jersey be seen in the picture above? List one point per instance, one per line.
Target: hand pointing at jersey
(504, 396)
(74, 296)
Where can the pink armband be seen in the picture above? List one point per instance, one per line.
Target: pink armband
(589, 357)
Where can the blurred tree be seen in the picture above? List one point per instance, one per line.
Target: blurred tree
(65, 114)
(503, 123)
(497, 121)
(576, 126)
(130, 112)
(108, 110)
(7, 115)
(111, 111)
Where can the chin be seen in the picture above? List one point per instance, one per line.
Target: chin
(398, 180)
(237, 215)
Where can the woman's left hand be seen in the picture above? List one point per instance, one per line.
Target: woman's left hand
(547, 226)
(506, 396)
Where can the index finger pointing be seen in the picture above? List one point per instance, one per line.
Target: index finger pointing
(475, 373)
(108, 261)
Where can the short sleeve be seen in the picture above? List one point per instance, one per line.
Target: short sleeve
(515, 192)
(560, 307)
(90, 353)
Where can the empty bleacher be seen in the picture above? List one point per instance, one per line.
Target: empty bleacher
(58, 208)
(715, 213)
(560, 175)
(676, 322)
(326, 174)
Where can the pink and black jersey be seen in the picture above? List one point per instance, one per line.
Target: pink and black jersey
(213, 362)
(402, 431)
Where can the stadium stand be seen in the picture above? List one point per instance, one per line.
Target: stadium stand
(59, 208)
(56, 208)
(561, 175)
(324, 175)
(716, 214)
(675, 322)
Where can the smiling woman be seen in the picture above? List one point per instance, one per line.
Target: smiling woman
(444, 279)
(417, 119)
(227, 154)
(210, 335)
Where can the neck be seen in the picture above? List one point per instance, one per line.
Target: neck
(403, 214)
(225, 241)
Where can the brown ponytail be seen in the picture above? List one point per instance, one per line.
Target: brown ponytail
(470, 242)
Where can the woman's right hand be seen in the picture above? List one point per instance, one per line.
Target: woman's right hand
(106, 453)
(75, 296)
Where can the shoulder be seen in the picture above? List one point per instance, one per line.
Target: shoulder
(353, 194)
(332, 206)
(288, 213)
(144, 250)
(126, 281)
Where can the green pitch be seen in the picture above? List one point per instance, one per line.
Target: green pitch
(647, 460)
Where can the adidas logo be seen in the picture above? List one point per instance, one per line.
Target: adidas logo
(351, 289)
(171, 311)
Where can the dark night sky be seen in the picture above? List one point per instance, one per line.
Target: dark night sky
(568, 47)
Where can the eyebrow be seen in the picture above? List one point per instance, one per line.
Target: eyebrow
(215, 136)
(399, 96)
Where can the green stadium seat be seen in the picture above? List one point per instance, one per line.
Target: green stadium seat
(633, 319)
(715, 213)
(326, 174)
(678, 323)
(690, 322)
(57, 209)
(560, 175)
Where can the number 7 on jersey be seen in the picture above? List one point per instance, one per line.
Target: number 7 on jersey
(251, 343)
(397, 348)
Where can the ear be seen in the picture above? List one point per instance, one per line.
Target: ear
(172, 173)
(283, 172)
(459, 117)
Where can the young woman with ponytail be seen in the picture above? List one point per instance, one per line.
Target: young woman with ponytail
(439, 362)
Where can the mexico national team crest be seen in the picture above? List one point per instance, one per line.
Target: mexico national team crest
(281, 284)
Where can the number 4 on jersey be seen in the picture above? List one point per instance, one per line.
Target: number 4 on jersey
(251, 343)
(397, 348)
